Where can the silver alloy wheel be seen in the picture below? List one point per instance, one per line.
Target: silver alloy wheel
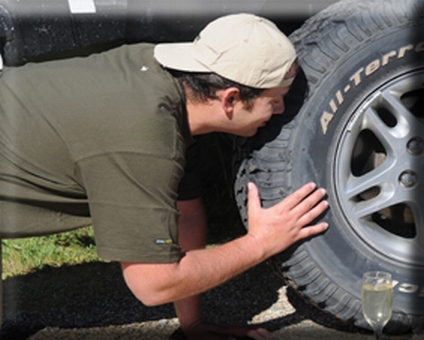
(379, 169)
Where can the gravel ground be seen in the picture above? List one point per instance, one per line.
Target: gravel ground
(91, 301)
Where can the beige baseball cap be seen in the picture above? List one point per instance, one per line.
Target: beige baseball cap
(244, 48)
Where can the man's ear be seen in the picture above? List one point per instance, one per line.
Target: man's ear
(229, 98)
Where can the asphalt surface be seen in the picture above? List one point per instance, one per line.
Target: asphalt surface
(91, 301)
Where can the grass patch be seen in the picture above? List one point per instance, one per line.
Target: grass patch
(22, 256)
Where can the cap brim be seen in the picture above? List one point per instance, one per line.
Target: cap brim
(178, 56)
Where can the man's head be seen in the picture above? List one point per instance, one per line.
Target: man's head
(243, 48)
(242, 63)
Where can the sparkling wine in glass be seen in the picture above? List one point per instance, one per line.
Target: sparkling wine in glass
(377, 300)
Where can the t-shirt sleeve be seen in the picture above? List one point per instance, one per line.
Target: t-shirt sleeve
(132, 204)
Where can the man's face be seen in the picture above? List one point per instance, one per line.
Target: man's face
(246, 122)
(270, 102)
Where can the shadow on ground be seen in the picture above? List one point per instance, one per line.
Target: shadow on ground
(95, 295)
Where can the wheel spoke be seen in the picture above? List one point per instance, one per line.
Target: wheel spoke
(384, 133)
(379, 170)
(406, 121)
(385, 199)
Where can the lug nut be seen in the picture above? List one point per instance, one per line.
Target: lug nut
(408, 178)
(415, 146)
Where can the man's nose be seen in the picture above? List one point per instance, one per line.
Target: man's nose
(278, 107)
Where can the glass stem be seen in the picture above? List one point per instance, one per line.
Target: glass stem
(378, 332)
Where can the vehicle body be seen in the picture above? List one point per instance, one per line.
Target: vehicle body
(354, 124)
(44, 27)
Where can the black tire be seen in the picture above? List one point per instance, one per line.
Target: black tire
(359, 134)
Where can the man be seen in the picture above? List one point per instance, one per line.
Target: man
(102, 140)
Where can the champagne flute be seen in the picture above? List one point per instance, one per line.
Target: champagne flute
(377, 300)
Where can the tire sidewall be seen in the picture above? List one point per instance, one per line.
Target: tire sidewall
(339, 253)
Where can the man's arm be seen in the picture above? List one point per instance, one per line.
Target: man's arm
(270, 231)
(192, 233)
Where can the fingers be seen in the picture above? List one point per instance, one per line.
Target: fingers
(259, 334)
(311, 207)
(313, 214)
(287, 222)
(237, 331)
(306, 201)
(254, 201)
(233, 332)
(299, 195)
(313, 230)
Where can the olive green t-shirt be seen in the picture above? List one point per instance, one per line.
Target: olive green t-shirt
(96, 140)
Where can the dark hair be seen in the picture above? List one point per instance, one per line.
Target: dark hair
(205, 85)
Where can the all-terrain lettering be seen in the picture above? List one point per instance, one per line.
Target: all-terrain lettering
(358, 76)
